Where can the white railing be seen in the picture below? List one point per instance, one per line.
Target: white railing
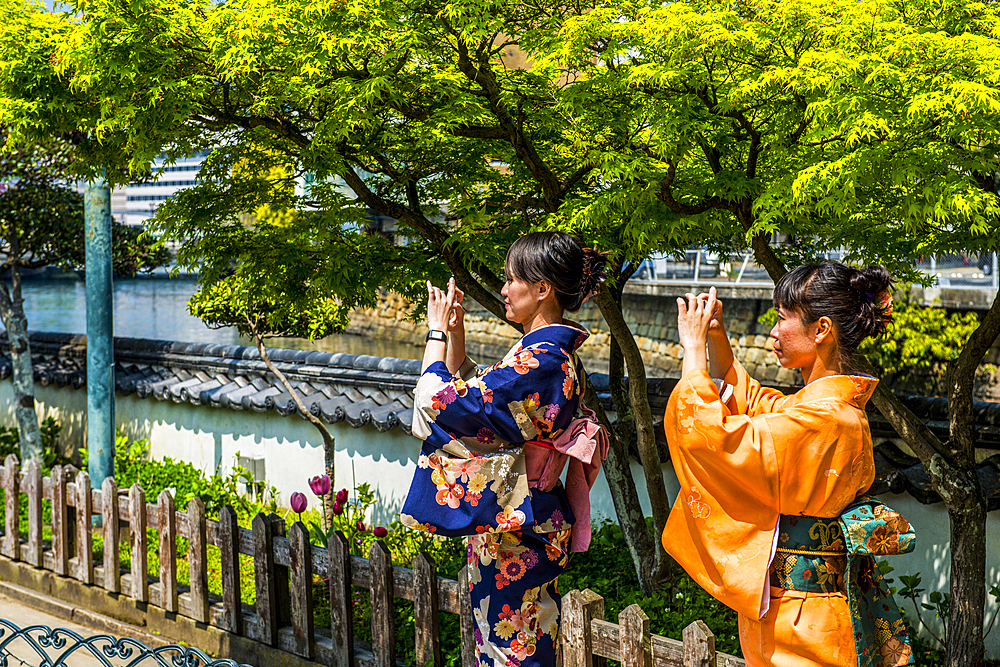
(699, 266)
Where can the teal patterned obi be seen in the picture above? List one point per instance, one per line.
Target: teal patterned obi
(822, 555)
(811, 555)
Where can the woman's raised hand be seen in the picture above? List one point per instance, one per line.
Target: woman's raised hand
(456, 322)
(715, 327)
(696, 315)
(440, 306)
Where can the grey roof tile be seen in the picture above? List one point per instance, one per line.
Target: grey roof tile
(283, 403)
(193, 393)
(214, 395)
(386, 417)
(358, 414)
(405, 420)
(258, 401)
(176, 390)
(332, 409)
(234, 398)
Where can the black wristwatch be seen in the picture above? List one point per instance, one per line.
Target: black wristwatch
(434, 334)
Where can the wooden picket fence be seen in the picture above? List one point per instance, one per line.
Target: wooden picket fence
(284, 567)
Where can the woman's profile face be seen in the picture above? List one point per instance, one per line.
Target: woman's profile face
(794, 342)
(521, 299)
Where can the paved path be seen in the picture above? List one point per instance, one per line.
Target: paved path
(20, 653)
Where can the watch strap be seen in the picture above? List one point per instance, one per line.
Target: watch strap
(434, 334)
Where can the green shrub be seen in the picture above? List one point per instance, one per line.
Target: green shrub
(132, 466)
(10, 443)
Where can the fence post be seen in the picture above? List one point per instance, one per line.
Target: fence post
(383, 614)
(263, 574)
(60, 529)
(168, 551)
(69, 473)
(341, 604)
(636, 646)
(137, 536)
(12, 490)
(466, 620)
(282, 576)
(33, 475)
(110, 515)
(229, 552)
(198, 559)
(300, 555)
(699, 646)
(425, 610)
(579, 609)
(84, 529)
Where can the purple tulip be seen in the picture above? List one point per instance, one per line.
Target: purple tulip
(342, 496)
(320, 485)
(361, 526)
(298, 502)
(380, 531)
(338, 509)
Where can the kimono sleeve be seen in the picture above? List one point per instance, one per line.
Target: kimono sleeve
(730, 467)
(748, 396)
(519, 400)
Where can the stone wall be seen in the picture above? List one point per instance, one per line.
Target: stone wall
(650, 311)
(652, 318)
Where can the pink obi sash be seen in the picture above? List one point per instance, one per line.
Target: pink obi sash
(584, 444)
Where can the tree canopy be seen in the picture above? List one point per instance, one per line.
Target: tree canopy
(644, 126)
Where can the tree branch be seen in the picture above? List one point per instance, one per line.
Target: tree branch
(512, 128)
(313, 419)
(438, 237)
(961, 375)
(666, 195)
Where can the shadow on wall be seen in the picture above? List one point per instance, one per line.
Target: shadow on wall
(69, 409)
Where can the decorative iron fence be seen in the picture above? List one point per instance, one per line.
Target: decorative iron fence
(284, 569)
(54, 647)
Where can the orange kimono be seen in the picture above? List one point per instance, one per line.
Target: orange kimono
(743, 459)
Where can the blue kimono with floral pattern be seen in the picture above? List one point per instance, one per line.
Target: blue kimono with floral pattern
(471, 480)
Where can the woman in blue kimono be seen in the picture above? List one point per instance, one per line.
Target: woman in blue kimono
(496, 441)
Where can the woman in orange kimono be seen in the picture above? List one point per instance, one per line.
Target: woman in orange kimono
(768, 480)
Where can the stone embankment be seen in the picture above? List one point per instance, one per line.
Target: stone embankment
(650, 310)
(652, 318)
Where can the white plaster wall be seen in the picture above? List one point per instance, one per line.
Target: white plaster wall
(209, 438)
(931, 559)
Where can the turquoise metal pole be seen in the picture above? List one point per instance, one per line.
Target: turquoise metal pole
(100, 334)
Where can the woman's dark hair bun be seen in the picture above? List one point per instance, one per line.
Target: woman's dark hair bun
(575, 272)
(857, 301)
(873, 287)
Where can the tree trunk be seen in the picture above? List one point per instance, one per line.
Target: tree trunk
(965, 646)
(637, 407)
(12, 311)
(618, 471)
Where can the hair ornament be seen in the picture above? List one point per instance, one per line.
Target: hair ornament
(884, 301)
(592, 273)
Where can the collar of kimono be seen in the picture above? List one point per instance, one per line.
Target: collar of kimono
(854, 389)
(568, 335)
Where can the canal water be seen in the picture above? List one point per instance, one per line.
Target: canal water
(157, 308)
